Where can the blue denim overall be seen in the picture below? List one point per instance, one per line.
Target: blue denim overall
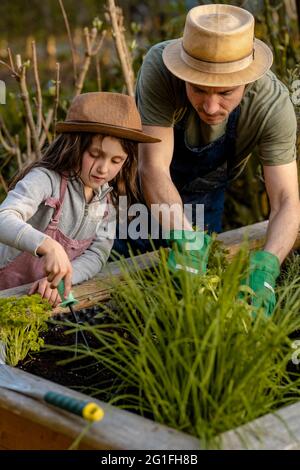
(201, 175)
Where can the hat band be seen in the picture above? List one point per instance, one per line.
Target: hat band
(216, 67)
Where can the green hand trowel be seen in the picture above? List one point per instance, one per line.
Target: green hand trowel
(69, 302)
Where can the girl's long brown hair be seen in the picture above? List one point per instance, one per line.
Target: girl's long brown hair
(64, 155)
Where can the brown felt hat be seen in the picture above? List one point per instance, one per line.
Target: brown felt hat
(113, 114)
(218, 48)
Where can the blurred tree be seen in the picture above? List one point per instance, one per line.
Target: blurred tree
(20, 17)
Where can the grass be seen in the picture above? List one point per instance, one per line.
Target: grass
(192, 356)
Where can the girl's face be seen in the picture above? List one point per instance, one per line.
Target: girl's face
(101, 162)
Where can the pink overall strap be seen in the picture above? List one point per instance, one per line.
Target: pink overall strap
(57, 203)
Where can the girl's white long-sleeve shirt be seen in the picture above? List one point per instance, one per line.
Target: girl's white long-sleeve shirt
(24, 217)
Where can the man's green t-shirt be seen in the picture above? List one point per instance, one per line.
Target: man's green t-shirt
(267, 119)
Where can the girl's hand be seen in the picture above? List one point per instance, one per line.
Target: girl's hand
(56, 264)
(43, 288)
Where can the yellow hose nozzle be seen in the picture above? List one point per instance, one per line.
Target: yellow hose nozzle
(92, 412)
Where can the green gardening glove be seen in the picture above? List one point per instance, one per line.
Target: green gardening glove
(263, 271)
(189, 251)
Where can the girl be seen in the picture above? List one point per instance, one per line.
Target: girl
(57, 219)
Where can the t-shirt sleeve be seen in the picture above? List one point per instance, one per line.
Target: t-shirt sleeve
(277, 145)
(155, 94)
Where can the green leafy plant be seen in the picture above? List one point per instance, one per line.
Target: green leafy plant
(21, 322)
(188, 354)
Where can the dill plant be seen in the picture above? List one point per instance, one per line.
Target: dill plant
(21, 322)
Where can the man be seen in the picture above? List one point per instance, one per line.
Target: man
(211, 99)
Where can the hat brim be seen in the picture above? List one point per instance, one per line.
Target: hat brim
(263, 59)
(95, 127)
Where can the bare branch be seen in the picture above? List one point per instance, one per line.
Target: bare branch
(6, 131)
(9, 148)
(39, 102)
(28, 141)
(13, 147)
(3, 182)
(56, 100)
(100, 43)
(11, 61)
(19, 62)
(73, 49)
(46, 126)
(18, 154)
(87, 38)
(121, 47)
(96, 53)
(6, 161)
(8, 67)
(27, 107)
(24, 158)
(125, 47)
(98, 72)
(90, 39)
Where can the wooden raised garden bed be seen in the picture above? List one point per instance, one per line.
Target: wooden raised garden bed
(26, 423)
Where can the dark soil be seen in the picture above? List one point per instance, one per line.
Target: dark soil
(81, 374)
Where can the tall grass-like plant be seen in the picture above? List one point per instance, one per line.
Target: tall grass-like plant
(192, 356)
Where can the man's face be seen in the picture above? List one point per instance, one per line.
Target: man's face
(214, 104)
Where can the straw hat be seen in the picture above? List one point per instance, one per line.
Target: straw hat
(218, 48)
(105, 113)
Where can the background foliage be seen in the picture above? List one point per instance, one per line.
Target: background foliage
(146, 23)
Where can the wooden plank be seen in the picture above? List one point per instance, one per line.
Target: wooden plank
(274, 431)
(26, 423)
(18, 433)
(118, 430)
(254, 234)
(99, 288)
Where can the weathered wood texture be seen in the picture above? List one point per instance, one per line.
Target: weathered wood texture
(26, 423)
(274, 431)
(98, 289)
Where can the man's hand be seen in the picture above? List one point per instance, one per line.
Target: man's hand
(189, 251)
(43, 288)
(263, 272)
(56, 264)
